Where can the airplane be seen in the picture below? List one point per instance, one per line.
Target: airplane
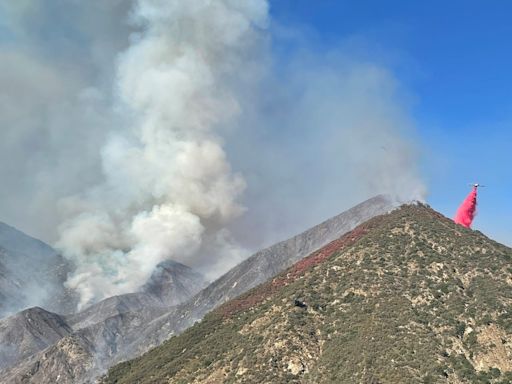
(476, 185)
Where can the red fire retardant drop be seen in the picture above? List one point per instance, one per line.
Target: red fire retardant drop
(467, 211)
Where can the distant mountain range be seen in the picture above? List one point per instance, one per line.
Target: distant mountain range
(77, 347)
(99, 325)
(407, 297)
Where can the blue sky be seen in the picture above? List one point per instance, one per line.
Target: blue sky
(454, 60)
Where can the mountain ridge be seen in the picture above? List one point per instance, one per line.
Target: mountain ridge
(254, 271)
(124, 341)
(35, 329)
(407, 297)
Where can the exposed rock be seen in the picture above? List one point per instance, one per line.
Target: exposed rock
(295, 366)
(496, 349)
(70, 357)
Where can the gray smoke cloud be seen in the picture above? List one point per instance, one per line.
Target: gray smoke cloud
(174, 131)
(57, 63)
(167, 178)
(328, 131)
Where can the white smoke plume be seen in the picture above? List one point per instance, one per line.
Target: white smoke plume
(171, 129)
(331, 129)
(166, 173)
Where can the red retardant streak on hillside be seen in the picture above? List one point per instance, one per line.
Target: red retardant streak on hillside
(467, 211)
(259, 294)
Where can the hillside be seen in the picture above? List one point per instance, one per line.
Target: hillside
(101, 328)
(28, 332)
(407, 297)
(125, 326)
(258, 268)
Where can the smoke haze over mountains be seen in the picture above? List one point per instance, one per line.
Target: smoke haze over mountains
(139, 131)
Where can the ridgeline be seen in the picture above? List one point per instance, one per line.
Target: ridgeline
(407, 297)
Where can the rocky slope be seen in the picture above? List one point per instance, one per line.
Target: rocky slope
(28, 332)
(407, 297)
(173, 283)
(258, 268)
(170, 284)
(122, 335)
(99, 330)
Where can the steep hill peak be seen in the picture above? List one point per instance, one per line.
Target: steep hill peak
(173, 282)
(405, 297)
(127, 325)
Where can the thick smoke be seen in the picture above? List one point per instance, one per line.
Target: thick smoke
(166, 175)
(175, 131)
(57, 61)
